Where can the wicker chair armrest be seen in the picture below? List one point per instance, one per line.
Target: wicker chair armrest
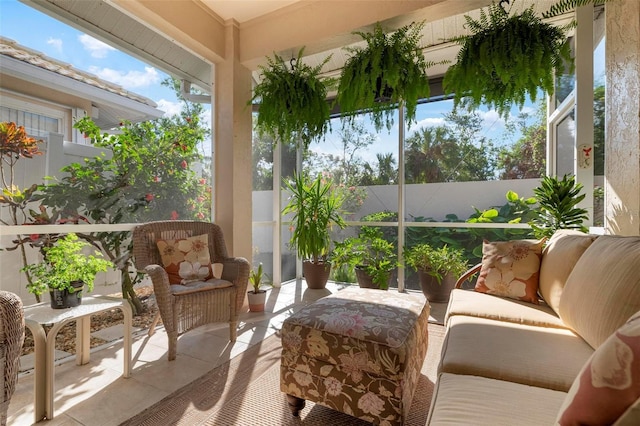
(12, 318)
(162, 292)
(465, 277)
(236, 270)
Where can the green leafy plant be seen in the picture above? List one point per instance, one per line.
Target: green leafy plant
(565, 6)
(506, 58)
(558, 199)
(316, 208)
(255, 278)
(293, 100)
(436, 262)
(369, 251)
(390, 69)
(65, 263)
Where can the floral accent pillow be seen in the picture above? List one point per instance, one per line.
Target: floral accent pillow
(511, 269)
(609, 383)
(186, 260)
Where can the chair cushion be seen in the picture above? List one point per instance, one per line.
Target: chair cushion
(471, 303)
(558, 259)
(601, 292)
(609, 383)
(511, 269)
(186, 260)
(470, 400)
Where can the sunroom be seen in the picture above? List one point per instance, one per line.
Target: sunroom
(229, 40)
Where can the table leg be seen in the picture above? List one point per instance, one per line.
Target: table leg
(51, 364)
(40, 366)
(128, 323)
(83, 340)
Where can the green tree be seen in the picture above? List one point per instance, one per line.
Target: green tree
(150, 174)
(526, 158)
(598, 130)
(453, 152)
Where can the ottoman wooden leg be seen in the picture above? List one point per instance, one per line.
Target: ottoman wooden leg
(295, 404)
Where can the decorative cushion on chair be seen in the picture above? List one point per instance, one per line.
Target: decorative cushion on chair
(186, 260)
(609, 382)
(511, 269)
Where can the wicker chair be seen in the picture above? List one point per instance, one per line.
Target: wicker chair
(183, 309)
(11, 339)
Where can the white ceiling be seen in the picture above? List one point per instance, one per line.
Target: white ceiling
(245, 10)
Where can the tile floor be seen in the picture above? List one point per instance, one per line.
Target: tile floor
(95, 394)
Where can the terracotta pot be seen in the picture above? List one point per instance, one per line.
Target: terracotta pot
(257, 300)
(365, 280)
(436, 292)
(316, 274)
(62, 299)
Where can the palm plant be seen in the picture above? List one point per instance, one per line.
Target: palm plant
(558, 199)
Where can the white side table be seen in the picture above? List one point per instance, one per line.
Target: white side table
(37, 316)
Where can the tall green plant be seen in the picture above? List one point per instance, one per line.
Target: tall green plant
(558, 199)
(506, 58)
(316, 208)
(293, 100)
(389, 69)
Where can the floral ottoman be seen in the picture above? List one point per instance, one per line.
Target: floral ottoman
(359, 351)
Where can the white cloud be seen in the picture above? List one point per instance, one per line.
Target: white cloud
(130, 79)
(96, 48)
(169, 108)
(56, 43)
(427, 122)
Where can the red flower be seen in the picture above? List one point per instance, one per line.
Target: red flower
(148, 197)
(200, 215)
(184, 164)
(157, 178)
(188, 119)
(203, 181)
(34, 237)
(174, 215)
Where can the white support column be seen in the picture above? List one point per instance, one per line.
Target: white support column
(583, 158)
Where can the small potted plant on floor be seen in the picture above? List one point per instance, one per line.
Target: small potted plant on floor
(65, 271)
(370, 254)
(257, 297)
(316, 208)
(438, 269)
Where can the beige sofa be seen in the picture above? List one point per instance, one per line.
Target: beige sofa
(509, 362)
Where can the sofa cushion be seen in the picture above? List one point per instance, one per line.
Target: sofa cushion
(558, 259)
(186, 260)
(470, 400)
(511, 269)
(602, 291)
(537, 356)
(465, 302)
(609, 382)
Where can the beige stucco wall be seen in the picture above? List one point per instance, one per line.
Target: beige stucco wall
(622, 167)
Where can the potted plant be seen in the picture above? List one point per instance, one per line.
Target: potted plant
(438, 269)
(506, 58)
(256, 297)
(389, 70)
(293, 100)
(370, 254)
(65, 271)
(558, 200)
(316, 208)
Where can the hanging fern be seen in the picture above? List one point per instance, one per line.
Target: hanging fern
(293, 100)
(566, 6)
(505, 59)
(389, 69)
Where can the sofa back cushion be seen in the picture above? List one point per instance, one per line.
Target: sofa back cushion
(558, 259)
(603, 290)
(608, 386)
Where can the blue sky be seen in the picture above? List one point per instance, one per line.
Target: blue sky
(58, 40)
